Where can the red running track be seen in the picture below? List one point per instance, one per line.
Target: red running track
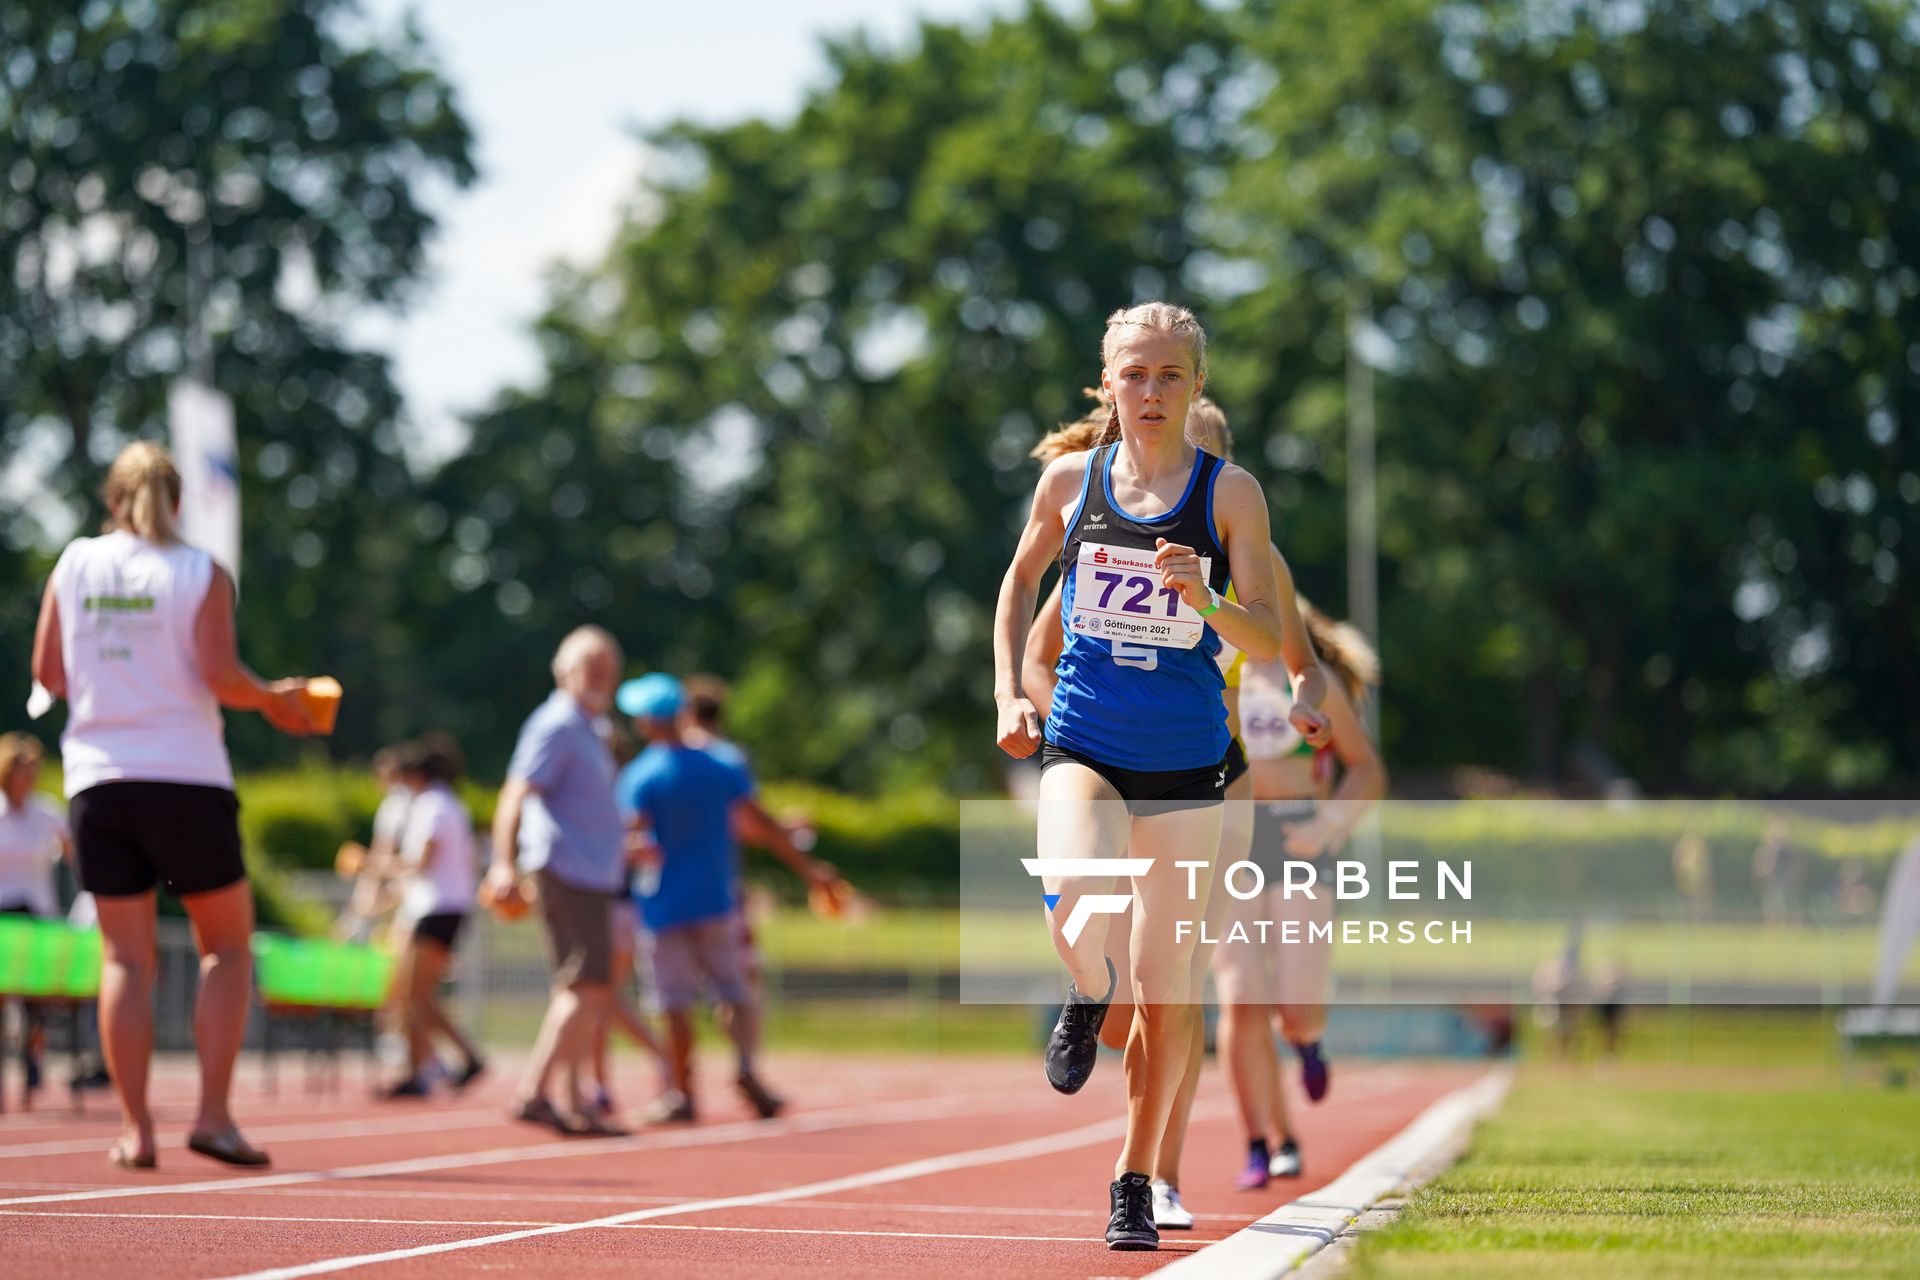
(884, 1167)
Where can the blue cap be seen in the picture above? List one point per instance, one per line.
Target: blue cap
(654, 696)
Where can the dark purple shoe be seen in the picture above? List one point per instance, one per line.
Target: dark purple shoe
(1314, 1073)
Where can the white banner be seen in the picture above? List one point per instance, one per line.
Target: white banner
(207, 452)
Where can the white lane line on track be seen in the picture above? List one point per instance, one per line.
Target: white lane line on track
(858, 1206)
(1290, 1234)
(859, 1116)
(434, 1122)
(1370, 1084)
(411, 1121)
(1000, 1154)
(475, 1222)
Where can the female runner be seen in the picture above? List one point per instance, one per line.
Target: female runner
(1150, 531)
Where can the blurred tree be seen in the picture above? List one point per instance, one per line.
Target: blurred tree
(1635, 279)
(295, 148)
(1645, 286)
(801, 391)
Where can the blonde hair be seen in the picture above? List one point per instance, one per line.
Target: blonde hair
(1342, 650)
(17, 749)
(1207, 428)
(1089, 431)
(143, 492)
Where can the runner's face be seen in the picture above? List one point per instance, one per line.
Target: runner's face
(1150, 380)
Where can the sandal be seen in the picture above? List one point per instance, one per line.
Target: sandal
(126, 1154)
(228, 1148)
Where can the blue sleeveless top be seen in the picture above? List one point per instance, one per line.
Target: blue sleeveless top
(1136, 706)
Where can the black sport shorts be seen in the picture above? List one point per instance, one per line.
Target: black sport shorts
(1149, 792)
(442, 926)
(1236, 762)
(130, 836)
(1272, 819)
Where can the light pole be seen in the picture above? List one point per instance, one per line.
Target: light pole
(1363, 514)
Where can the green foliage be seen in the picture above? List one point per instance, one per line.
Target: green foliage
(300, 818)
(901, 846)
(1638, 284)
(294, 155)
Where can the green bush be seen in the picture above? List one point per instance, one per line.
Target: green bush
(904, 846)
(300, 818)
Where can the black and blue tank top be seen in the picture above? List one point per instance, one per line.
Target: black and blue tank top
(1137, 701)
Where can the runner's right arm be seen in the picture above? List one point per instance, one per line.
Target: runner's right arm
(1045, 639)
(49, 663)
(1040, 543)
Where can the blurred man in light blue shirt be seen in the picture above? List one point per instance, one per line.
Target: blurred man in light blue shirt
(556, 817)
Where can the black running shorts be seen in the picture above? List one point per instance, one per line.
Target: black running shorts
(1236, 761)
(130, 836)
(1149, 792)
(1272, 819)
(442, 926)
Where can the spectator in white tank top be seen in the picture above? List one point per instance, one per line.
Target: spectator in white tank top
(136, 632)
(33, 836)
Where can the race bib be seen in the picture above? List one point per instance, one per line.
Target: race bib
(1117, 596)
(1264, 726)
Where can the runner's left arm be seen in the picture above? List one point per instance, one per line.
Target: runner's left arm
(1240, 517)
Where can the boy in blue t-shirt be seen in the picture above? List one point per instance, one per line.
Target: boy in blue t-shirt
(688, 800)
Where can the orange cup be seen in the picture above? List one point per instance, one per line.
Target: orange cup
(512, 906)
(828, 901)
(322, 696)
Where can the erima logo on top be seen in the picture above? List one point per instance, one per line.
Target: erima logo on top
(1091, 904)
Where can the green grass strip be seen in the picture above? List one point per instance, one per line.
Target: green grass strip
(1724, 1171)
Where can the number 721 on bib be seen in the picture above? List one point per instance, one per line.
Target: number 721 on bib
(1118, 596)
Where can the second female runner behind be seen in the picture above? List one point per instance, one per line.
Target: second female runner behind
(1151, 530)
(1300, 814)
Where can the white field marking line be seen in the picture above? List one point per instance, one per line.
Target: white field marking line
(863, 1206)
(431, 1121)
(259, 1218)
(277, 1184)
(1025, 1149)
(1290, 1234)
(853, 1117)
(970, 1210)
(466, 1118)
(827, 1231)
(477, 1222)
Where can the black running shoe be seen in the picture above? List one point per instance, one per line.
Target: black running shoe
(475, 1068)
(1075, 1041)
(762, 1099)
(411, 1087)
(1131, 1226)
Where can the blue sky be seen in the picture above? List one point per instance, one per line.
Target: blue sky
(554, 100)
